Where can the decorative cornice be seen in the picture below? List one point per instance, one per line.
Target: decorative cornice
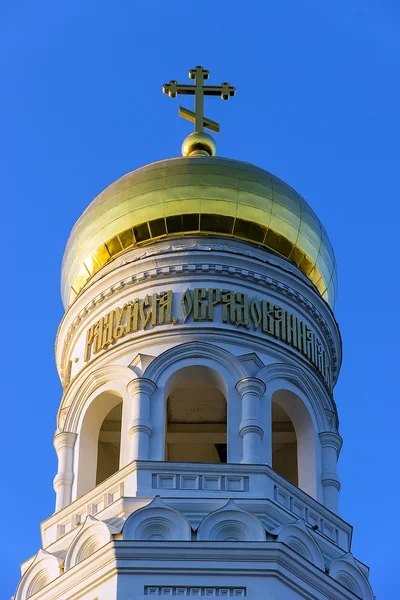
(223, 269)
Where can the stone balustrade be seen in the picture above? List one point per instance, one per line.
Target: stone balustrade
(133, 486)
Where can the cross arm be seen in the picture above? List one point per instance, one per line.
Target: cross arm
(225, 90)
(173, 88)
(191, 116)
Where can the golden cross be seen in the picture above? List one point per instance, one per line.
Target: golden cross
(199, 90)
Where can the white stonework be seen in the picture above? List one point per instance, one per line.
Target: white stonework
(196, 457)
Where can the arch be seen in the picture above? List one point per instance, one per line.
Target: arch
(196, 419)
(223, 370)
(93, 534)
(88, 472)
(84, 387)
(296, 396)
(205, 354)
(44, 569)
(231, 523)
(320, 403)
(346, 571)
(157, 521)
(38, 582)
(298, 537)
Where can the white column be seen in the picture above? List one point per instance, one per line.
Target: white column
(331, 444)
(140, 428)
(251, 429)
(64, 444)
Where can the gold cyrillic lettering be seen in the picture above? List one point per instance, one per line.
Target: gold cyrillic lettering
(199, 306)
(119, 328)
(268, 317)
(132, 316)
(145, 311)
(165, 308)
(186, 304)
(214, 297)
(228, 306)
(242, 312)
(255, 313)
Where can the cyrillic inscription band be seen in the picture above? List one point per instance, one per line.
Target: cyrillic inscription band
(200, 303)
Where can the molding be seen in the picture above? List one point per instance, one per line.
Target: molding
(194, 590)
(91, 536)
(250, 385)
(298, 537)
(251, 426)
(331, 439)
(140, 425)
(346, 571)
(64, 439)
(231, 523)
(158, 521)
(141, 385)
(113, 377)
(44, 569)
(197, 350)
(310, 385)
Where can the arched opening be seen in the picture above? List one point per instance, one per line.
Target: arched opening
(109, 444)
(294, 441)
(196, 418)
(284, 445)
(98, 444)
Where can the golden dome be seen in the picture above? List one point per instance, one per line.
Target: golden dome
(198, 195)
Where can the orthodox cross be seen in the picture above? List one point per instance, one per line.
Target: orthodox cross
(199, 90)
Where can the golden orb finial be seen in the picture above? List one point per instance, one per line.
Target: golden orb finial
(199, 144)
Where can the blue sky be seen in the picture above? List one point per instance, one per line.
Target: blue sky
(317, 104)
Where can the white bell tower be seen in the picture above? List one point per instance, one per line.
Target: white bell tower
(197, 436)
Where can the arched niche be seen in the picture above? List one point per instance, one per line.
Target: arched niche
(98, 442)
(196, 416)
(157, 521)
(45, 568)
(296, 457)
(93, 534)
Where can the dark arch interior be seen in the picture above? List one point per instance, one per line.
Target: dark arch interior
(196, 424)
(284, 445)
(109, 444)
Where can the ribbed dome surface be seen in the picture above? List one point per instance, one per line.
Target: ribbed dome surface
(198, 195)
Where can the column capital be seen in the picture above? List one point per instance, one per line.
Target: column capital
(331, 439)
(64, 438)
(141, 384)
(250, 385)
